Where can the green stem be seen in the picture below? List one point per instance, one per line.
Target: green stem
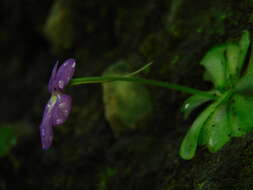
(90, 80)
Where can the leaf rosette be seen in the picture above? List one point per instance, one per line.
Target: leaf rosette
(229, 114)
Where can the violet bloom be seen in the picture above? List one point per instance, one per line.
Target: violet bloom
(59, 105)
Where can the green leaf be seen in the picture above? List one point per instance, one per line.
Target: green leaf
(243, 106)
(234, 122)
(214, 62)
(230, 115)
(193, 102)
(244, 46)
(245, 84)
(217, 130)
(193, 136)
(190, 142)
(232, 54)
(236, 54)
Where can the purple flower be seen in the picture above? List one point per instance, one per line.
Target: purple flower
(59, 105)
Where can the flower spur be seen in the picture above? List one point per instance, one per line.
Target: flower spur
(59, 105)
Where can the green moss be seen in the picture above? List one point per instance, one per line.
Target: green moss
(7, 140)
(104, 178)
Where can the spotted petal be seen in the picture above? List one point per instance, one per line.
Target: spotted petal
(64, 74)
(61, 109)
(51, 82)
(46, 131)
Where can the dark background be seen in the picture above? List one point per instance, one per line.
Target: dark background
(86, 153)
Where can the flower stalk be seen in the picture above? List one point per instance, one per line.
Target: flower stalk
(102, 79)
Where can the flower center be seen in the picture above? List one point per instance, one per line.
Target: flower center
(52, 102)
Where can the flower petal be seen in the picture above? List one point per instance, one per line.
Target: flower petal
(51, 82)
(61, 109)
(46, 131)
(65, 73)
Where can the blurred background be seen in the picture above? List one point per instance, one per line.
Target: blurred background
(119, 136)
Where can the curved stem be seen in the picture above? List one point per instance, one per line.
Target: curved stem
(102, 79)
(139, 70)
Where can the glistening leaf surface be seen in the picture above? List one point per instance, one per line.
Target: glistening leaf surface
(193, 102)
(217, 131)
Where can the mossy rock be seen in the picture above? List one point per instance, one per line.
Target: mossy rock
(128, 105)
(58, 28)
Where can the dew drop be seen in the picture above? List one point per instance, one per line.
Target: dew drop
(61, 84)
(58, 121)
(62, 105)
